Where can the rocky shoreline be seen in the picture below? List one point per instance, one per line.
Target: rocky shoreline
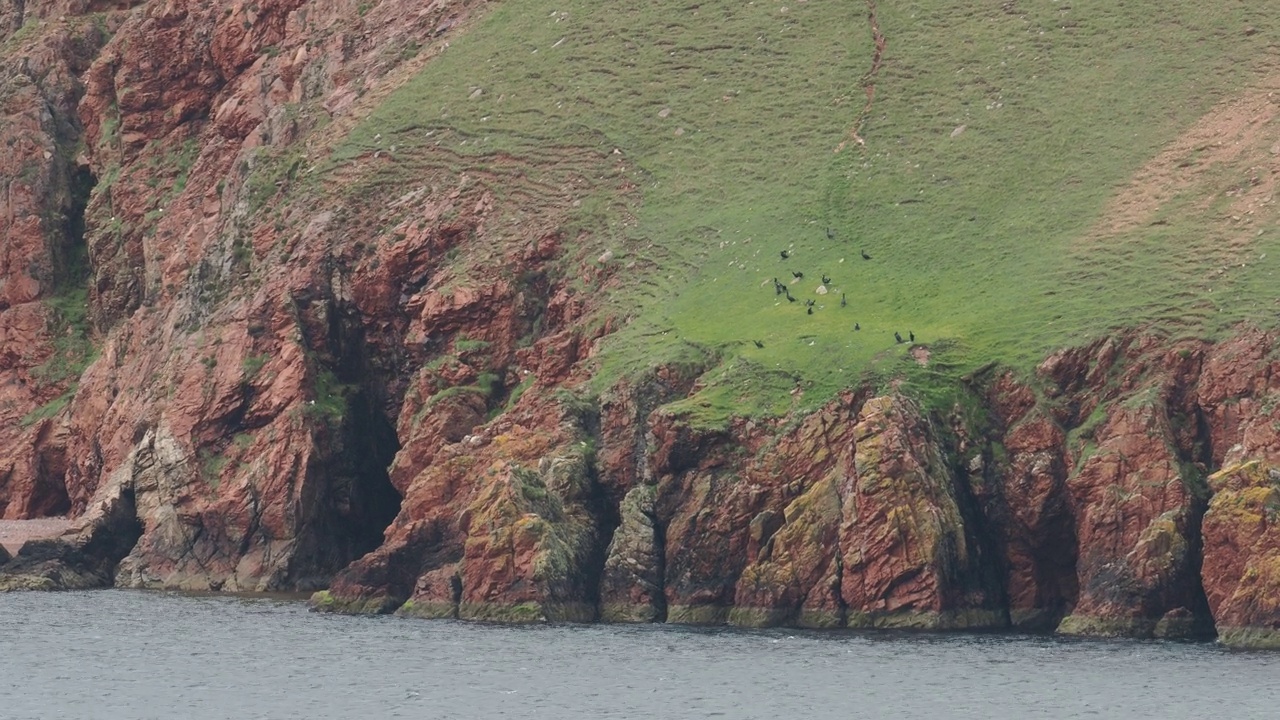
(15, 533)
(1087, 505)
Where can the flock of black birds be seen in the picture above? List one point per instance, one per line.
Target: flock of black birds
(781, 289)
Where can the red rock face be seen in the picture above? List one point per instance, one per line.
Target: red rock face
(853, 518)
(1029, 510)
(910, 554)
(40, 345)
(1098, 499)
(1242, 554)
(1136, 516)
(233, 392)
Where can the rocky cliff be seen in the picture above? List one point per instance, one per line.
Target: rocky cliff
(1080, 499)
(241, 366)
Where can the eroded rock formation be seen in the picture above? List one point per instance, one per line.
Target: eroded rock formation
(232, 388)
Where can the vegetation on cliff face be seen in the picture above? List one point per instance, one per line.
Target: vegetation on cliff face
(1034, 174)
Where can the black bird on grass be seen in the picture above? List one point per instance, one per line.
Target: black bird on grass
(825, 279)
(911, 335)
(843, 302)
(758, 344)
(809, 303)
(797, 275)
(785, 254)
(778, 287)
(897, 337)
(789, 298)
(856, 327)
(831, 234)
(810, 309)
(865, 256)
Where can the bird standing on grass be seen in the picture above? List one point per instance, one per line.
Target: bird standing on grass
(826, 280)
(785, 254)
(857, 327)
(797, 275)
(758, 344)
(865, 256)
(843, 302)
(897, 337)
(831, 234)
(911, 335)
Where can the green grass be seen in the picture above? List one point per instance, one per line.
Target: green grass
(72, 346)
(49, 409)
(726, 116)
(332, 398)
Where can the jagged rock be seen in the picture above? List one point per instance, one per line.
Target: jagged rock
(1027, 508)
(45, 191)
(910, 558)
(792, 576)
(83, 561)
(508, 531)
(1137, 510)
(1241, 570)
(631, 586)
(851, 518)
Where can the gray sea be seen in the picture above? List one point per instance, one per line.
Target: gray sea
(136, 655)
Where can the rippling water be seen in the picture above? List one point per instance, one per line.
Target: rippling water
(119, 654)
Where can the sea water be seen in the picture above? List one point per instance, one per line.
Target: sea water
(138, 655)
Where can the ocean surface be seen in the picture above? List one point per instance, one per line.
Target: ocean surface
(135, 655)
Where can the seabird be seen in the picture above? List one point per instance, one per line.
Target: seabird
(865, 256)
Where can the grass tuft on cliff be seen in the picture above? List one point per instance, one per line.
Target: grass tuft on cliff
(1035, 173)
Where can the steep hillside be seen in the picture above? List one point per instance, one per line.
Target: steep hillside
(829, 314)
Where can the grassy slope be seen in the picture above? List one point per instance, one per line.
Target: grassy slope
(984, 243)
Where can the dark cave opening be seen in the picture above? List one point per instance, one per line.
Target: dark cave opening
(70, 254)
(66, 295)
(371, 444)
(351, 500)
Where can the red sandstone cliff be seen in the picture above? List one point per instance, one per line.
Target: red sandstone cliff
(259, 394)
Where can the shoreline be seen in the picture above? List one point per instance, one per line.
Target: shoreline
(15, 533)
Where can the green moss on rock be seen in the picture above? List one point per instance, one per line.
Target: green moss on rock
(627, 613)
(1107, 627)
(697, 615)
(325, 601)
(427, 610)
(1250, 638)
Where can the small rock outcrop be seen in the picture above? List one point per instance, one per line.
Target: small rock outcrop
(82, 560)
(631, 588)
(1242, 554)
